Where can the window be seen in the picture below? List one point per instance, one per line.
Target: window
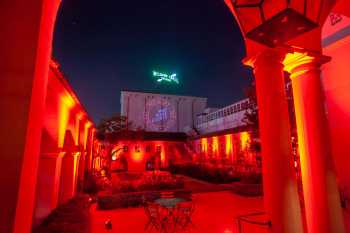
(137, 148)
(158, 149)
(231, 110)
(125, 148)
(148, 148)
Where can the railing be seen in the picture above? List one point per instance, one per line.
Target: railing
(245, 219)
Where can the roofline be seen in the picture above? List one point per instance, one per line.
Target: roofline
(222, 132)
(55, 67)
(159, 93)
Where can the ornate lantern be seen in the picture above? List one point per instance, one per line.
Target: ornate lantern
(274, 22)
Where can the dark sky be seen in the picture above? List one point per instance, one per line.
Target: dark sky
(105, 46)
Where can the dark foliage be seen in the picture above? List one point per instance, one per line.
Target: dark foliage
(71, 217)
(251, 117)
(209, 174)
(90, 184)
(135, 199)
(110, 126)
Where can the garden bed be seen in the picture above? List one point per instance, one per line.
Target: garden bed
(216, 175)
(147, 181)
(106, 201)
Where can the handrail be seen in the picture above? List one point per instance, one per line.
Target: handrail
(244, 218)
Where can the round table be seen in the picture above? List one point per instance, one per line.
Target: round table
(169, 202)
(170, 224)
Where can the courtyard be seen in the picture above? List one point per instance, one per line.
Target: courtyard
(175, 116)
(215, 211)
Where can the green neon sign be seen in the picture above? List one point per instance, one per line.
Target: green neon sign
(172, 78)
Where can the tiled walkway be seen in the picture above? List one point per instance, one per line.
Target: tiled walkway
(215, 212)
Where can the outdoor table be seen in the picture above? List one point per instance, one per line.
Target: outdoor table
(169, 202)
(170, 205)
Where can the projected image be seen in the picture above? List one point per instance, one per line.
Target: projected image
(161, 115)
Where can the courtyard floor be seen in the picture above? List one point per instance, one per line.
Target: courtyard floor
(215, 212)
(216, 209)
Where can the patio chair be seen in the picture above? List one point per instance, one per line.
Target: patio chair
(185, 211)
(153, 215)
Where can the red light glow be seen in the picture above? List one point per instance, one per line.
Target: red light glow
(245, 138)
(228, 145)
(215, 145)
(204, 143)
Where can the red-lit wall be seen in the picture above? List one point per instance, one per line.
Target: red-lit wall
(65, 145)
(337, 85)
(138, 152)
(232, 148)
(336, 81)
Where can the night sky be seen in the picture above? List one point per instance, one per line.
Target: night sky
(106, 46)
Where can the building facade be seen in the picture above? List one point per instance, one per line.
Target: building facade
(228, 117)
(160, 112)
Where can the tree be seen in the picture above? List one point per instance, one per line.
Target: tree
(251, 116)
(111, 126)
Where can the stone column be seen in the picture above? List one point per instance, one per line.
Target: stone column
(48, 183)
(25, 46)
(280, 187)
(321, 194)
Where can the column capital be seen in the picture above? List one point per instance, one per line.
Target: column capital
(300, 61)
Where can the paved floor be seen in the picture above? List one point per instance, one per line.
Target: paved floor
(214, 213)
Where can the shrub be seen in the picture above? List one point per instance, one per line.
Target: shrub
(148, 181)
(252, 178)
(90, 185)
(134, 199)
(213, 174)
(71, 217)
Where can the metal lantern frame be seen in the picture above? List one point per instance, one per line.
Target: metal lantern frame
(270, 31)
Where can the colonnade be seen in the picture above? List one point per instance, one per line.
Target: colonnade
(321, 195)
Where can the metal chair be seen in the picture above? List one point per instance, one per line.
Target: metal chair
(152, 213)
(185, 211)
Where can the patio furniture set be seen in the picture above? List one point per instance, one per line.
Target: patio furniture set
(169, 214)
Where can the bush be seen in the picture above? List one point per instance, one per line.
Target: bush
(134, 199)
(124, 200)
(252, 178)
(90, 184)
(148, 181)
(71, 217)
(217, 175)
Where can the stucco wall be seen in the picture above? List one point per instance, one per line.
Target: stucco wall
(336, 80)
